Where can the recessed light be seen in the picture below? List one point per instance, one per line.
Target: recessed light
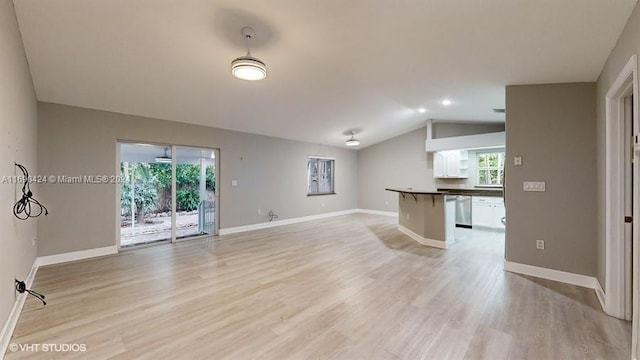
(446, 102)
(422, 110)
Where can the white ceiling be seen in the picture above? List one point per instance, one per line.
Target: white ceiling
(333, 65)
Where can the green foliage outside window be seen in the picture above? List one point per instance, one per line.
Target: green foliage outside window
(152, 182)
(490, 168)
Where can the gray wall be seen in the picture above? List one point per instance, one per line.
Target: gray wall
(271, 173)
(449, 129)
(398, 162)
(553, 128)
(627, 45)
(18, 138)
(403, 162)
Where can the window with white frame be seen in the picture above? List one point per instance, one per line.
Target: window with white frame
(320, 175)
(490, 168)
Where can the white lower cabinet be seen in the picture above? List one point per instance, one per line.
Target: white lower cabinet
(487, 212)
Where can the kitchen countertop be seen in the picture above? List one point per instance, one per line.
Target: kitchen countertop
(467, 192)
(474, 192)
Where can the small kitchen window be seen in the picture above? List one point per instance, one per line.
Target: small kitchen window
(320, 175)
(490, 168)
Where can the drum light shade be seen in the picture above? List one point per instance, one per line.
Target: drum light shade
(248, 67)
(352, 141)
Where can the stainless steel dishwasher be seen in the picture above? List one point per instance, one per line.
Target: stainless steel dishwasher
(463, 211)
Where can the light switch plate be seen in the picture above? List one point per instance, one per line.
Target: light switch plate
(517, 160)
(534, 186)
(234, 182)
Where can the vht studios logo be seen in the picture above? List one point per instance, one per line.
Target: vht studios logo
(13, 347)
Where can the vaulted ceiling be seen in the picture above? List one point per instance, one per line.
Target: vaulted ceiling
(333, 66)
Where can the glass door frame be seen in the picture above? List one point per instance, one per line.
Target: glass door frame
(174, 147)
(174, 189)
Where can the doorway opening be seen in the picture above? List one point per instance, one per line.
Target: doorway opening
(620, 298)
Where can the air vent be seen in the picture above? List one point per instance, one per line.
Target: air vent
(499, 111)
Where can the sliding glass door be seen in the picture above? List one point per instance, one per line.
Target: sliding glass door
(145, 194)
(152, 178)
(195, 192)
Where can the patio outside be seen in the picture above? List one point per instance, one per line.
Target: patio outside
(146, 200)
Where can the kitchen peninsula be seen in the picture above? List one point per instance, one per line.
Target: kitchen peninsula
(429, 216)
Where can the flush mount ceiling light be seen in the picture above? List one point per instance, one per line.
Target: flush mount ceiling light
(352, 141)
(422, 110)
(166, 159)
(446, 102)
(248, 67)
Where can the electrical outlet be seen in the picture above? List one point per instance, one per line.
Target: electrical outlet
(34, 241)
(540, 244)
(234, 182)
(259, 211)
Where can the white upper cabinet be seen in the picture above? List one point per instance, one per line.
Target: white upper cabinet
(451, 164)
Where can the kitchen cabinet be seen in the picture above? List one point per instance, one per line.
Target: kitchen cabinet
(451, 164)
(487, 212)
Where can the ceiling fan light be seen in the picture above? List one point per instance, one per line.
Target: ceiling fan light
(248, 68)
(163, 160)
(352, 141)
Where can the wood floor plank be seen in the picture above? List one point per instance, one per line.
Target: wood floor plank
(349, 287)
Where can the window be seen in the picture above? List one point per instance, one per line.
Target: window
(320, 175)
(490, 168)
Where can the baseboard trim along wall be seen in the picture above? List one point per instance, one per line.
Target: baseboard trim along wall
(266, 225)
(555, 275)
(76, 255)
(377, 212)
(14, 315)
(422, 240)
(600, 295)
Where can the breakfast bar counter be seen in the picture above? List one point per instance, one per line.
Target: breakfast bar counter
(427, 216)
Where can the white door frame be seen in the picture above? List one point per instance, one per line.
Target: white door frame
(616, 261)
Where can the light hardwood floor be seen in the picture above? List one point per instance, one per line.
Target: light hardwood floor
(350, 287)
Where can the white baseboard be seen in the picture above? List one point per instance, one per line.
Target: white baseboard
(265, 225)
(422, 240)
(14, 315)
(237, 229)
(550, 274)
(600, 294)
(377, 212)
(76, 255)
